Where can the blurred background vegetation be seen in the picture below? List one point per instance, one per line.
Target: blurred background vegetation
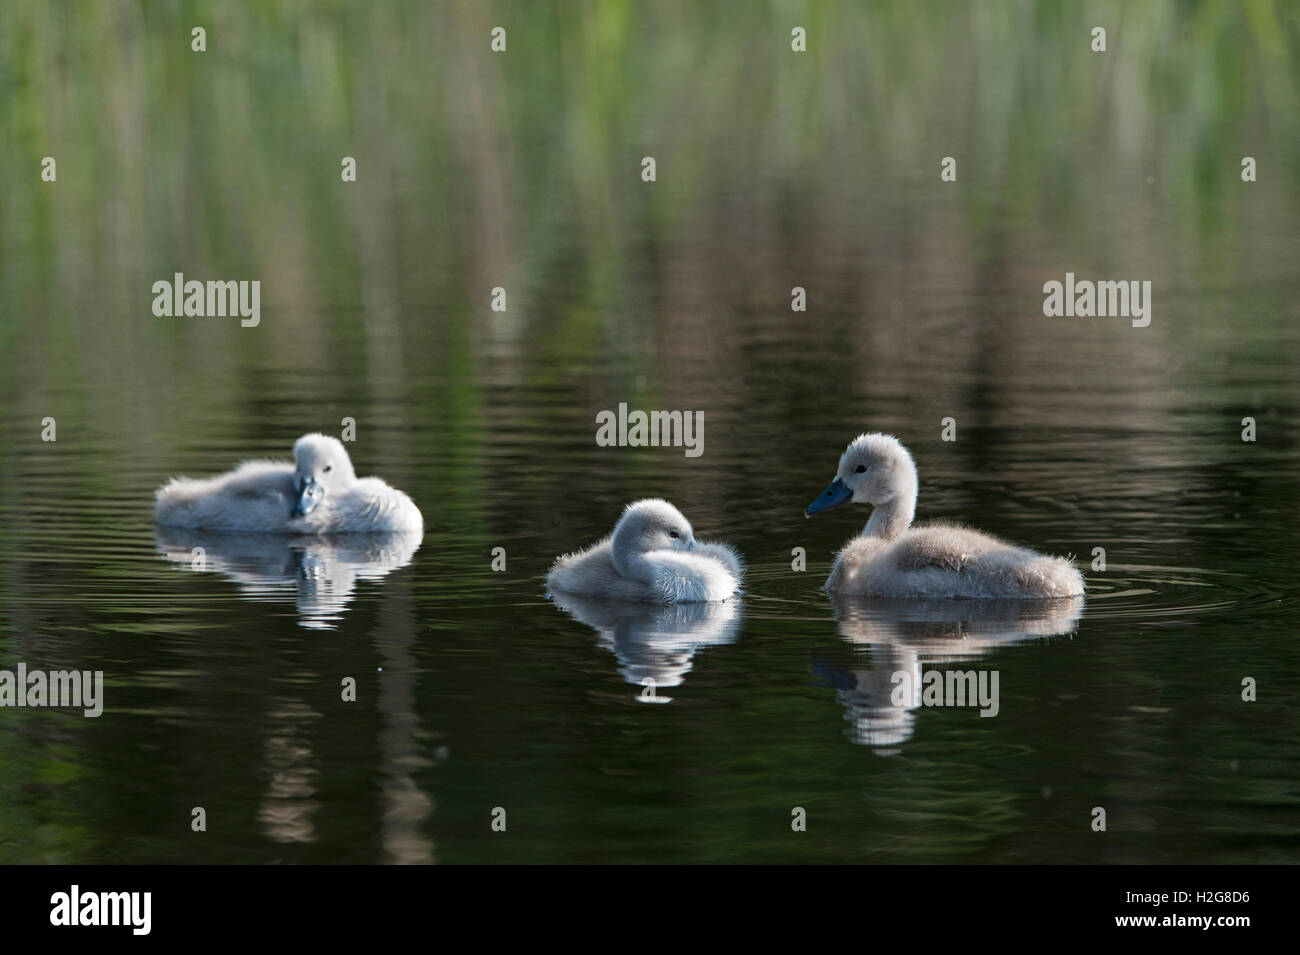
(521, 170)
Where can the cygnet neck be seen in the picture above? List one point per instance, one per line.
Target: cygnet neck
(892, 517)
(889, 520)
(629, 561)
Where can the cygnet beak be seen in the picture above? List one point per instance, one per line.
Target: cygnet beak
(835, 495)
(309, 495)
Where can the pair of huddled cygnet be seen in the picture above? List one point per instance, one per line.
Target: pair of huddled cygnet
(317, 494)
(652, 555)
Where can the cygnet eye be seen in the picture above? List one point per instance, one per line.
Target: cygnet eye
(672, 534)
(329, 468)
(862, 468)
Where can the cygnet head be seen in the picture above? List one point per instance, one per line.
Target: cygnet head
(874, 469)
(651, 524)
(320, 466)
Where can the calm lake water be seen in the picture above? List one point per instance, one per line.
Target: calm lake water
(774, 170)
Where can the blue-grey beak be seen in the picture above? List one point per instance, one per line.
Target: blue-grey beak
(833, 496)
(309, 495)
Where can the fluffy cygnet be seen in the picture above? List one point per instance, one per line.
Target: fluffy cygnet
(318, 494)
(893, 559)
(652, 556)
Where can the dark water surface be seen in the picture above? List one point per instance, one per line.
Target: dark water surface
(925, 301)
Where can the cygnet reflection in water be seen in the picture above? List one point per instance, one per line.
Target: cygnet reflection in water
(655, 642)
(910, 635)
(319, 574)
